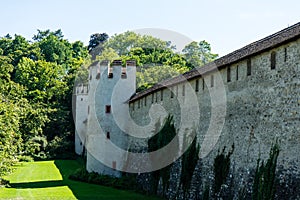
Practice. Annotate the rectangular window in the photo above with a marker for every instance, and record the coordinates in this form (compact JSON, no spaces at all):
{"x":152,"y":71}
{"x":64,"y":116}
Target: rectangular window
{"x":152,"y":98}
{"x":212,"y":81}
{"x":248,"y":67}
{"x":237,"y":73}
{"x":114,"y":164}
{"x":110,"y":72}
{"x":132,"y":105}
{"x":197,"y":85}
{"x":228,"y":74}
{"x":273,"y":60}
{"x":98,"y":74}
{"x":183,"y":90}
{"x":155,"y":96}
{"x":172,"y":94}
{"x":108,"y":135}
{"x":161,"y":95}
{"x":145,"y":102}
{"x":203,"y":83}
{"x":107,"y":109}
{"x":285,"y":54}
{"x":123,"y":73}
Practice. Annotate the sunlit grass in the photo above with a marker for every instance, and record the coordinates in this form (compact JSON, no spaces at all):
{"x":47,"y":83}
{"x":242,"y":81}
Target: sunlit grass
{"x":49,"y":180}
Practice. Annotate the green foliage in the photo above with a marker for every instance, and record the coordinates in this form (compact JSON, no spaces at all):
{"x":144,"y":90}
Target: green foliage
{"x":127,"y":182}
{"x":155,"y":58}
{"x":148,"y":77}
{"x":122,"y":43}
{"x":189,"y":161}
{"x":36,"y":83}
{"x":221,"y":168}
{"x":263,"y":186}
{"x":198,"y":54}
{"x":158,"y":141}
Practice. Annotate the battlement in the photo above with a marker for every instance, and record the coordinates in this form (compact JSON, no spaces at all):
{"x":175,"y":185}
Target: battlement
{"x":115,"y":69}
{"x":82,"y":89}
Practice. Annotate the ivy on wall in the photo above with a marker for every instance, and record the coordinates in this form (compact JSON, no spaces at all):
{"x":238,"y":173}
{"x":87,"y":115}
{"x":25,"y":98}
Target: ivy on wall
{"x":263,"y":186}
{"x":221,"y":168}
{"x":189,"y":162}
{"x":158,"y":141}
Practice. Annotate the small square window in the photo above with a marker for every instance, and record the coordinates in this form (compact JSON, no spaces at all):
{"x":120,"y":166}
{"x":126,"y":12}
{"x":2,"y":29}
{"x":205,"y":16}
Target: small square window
{"x":107,"y":108}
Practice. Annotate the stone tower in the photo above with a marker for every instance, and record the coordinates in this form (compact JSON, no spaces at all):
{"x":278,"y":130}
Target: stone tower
{"x":81,"y":103}
{"x":110,"y":88}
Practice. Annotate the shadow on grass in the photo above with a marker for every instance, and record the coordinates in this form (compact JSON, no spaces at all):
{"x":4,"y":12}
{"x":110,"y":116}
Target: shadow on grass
{"x":39,"y":184}
{"x":80,"y":190}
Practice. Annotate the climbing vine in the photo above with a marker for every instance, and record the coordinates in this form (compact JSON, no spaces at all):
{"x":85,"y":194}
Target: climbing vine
{"x":161,"y":139}
{"x":263,"y":186}
{"x":221,"y":168}
{"x":189,"y":162}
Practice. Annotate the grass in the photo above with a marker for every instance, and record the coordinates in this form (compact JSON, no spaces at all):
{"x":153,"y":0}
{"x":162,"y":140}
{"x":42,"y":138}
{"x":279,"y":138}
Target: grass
{"x":49,"y":180}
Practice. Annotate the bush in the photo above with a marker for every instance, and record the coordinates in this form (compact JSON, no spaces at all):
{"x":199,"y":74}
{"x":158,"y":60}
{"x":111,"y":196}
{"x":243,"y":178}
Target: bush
{"x":126,"y":182}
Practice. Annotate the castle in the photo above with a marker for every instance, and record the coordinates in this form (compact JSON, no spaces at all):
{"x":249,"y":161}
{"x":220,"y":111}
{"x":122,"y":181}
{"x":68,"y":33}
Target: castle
{"x":249,"y":98}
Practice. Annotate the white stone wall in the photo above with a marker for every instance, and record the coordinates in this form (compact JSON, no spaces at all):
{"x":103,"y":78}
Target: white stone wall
{"x":81,"y":95}
{"x":108,"y":155}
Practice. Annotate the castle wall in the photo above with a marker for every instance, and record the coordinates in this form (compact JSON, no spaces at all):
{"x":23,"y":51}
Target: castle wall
{"x":259,"y":108}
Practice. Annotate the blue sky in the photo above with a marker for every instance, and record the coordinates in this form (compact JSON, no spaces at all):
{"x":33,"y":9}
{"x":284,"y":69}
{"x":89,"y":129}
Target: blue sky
{"x":226,"y":25}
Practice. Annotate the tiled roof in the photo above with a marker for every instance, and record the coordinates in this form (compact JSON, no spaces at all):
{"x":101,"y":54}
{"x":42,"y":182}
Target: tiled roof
{"x":274,"y":40}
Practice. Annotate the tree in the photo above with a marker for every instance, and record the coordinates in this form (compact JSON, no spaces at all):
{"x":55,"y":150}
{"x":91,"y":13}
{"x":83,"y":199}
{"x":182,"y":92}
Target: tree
{"x":96,"y":40}
{"x":108,"y":54}
{"x":122,"y":43}
{"x":198,"y":54}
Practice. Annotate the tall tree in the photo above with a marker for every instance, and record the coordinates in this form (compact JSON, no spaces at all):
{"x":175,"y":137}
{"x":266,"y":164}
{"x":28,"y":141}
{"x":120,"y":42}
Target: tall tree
{"x":96,"y":42}
{"x":198,"y":54}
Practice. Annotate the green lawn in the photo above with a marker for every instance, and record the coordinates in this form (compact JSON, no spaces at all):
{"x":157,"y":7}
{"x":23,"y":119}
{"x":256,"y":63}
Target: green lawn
{"x":49,"y":180}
